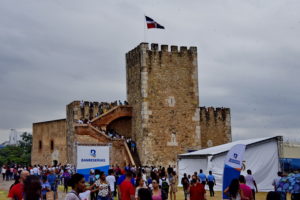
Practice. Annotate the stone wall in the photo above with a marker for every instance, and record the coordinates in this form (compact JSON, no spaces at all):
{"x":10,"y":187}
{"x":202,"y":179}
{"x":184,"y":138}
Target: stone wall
{"x":73,"y":115}
{"x":215,"y":126}
{"x":43,"y":133}
{"x":162,"y":88}
{"x":81,"y":111}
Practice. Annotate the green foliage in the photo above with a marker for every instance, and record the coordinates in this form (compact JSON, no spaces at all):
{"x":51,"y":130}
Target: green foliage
{"x":19,"y":154}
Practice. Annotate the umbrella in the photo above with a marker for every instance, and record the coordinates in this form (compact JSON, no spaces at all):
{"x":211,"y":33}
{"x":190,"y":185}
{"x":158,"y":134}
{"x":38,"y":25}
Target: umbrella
{"x":290,"y":183}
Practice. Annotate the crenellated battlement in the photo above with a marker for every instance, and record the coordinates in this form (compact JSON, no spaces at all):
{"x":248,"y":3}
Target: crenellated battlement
{"x":133,"y":57}
{"x":214,"y":114}
{"x":170,"y":49}
{"x":215,"y":126}
{"x":87,"y":110}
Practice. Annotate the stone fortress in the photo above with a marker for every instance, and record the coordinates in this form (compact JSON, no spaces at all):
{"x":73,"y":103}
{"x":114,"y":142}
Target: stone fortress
{"x":163,"y":115}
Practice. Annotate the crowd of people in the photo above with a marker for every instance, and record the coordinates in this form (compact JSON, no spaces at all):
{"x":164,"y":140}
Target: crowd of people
{"x":38,"y":179}
{"x":128,"y":183}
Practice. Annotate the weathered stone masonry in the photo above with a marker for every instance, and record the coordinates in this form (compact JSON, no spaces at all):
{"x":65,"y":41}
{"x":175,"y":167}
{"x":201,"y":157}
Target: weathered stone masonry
{"x":163,"y":115}
{"x":162,"y":88}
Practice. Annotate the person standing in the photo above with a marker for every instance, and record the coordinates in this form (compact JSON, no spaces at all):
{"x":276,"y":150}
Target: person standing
{"x":32,"y":188}
{"x":173,"y":185}
{"x":127,"y":191}
{"x":202,"y":177}
{"x":17,"y":190}
{"x":234,"y":191}
{"x":111,"y":179}
{"x":157,"y":194}
{"x":276,"y":180}
{"x":164,"y":184}
{"x":92,"y":180}
{"x":211,"y":183}
{"x":103,"y":186}
{"x":66,"y":177}
{"x":3,"y":170}
{"x":245,"y":188}
{"x":52,"y":179}
{"x":251,"y":182}
{"x":77,"y":183}
{"x":185,"y":184}
{"x":45,"y":187}
{"x":144,"y":194}
{"x":275,"y":183}
{"x":140,"y":184}
{"x":196,"y":190}
{"x":169,"y":170}
{"x":7,"y":173}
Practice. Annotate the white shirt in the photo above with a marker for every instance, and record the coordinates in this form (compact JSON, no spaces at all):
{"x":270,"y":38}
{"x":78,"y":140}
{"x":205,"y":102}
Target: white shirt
{"x":111,"y":180}
{"x":85,"y":195}
{"x":31,"y":172}
{"x":250,"y":181}
{"x":3,"y":170}
{"x":35,"y":170}
{"x":72,"y":196}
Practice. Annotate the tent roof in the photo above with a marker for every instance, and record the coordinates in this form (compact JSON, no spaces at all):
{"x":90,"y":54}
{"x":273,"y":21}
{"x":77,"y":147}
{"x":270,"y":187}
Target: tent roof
{"x":226,"y":147}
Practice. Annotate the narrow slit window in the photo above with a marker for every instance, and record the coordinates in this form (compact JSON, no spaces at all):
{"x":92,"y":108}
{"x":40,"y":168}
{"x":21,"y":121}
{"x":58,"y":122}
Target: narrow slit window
{"x":52,"y":145}
{"x":40,"y":145}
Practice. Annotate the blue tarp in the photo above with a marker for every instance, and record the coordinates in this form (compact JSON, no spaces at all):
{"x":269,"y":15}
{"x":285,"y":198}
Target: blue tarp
{"x":290,"y":164}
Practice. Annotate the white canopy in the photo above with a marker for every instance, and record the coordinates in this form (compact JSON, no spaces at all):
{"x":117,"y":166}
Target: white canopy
{"x":261,"y":156}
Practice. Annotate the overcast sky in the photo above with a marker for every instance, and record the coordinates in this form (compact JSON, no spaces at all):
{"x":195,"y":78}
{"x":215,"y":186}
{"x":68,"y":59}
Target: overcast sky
{"x":54,"y":52}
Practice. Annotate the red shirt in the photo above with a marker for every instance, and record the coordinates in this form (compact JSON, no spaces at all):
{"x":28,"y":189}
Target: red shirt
{"x":16,"y":191}
{"x":127,"y":190}
{"x":246,"y":190}
{"x":197,"y":192}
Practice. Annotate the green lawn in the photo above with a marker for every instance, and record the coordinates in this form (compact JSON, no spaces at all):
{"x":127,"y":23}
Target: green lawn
{"x":3,"y":195}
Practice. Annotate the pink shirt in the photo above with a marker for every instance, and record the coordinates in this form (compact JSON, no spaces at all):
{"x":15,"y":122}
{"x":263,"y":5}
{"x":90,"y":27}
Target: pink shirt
{"x":246,"y":190}
{"x":157,"y":197}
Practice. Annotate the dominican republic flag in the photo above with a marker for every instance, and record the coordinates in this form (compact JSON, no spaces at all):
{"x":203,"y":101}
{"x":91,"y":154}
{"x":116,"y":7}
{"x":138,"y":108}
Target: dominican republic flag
{"x":153,"y":24}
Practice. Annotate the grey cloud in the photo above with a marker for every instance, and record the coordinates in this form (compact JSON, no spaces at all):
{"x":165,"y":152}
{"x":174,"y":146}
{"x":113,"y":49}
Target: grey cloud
{"x":54,"y":52}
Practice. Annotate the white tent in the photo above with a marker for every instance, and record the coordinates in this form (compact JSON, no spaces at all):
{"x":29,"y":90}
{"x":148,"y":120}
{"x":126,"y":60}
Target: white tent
{"x":261,"y":156}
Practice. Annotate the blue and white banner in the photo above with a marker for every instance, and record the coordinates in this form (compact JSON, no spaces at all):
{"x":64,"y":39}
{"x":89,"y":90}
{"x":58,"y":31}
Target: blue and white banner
{"x":92,"y":157}
{"x":233,"y":165}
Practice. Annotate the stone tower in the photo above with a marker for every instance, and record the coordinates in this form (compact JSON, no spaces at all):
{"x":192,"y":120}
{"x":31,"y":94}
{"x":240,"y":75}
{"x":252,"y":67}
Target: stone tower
{"x":162,"y":88}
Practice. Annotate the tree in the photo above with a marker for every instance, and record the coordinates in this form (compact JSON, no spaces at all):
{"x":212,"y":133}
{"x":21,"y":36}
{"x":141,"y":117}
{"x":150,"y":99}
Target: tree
{"x":18,"y":154}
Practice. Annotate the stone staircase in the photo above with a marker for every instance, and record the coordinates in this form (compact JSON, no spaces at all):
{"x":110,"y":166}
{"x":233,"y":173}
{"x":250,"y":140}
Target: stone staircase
{"x":116,"y":112}
{"x":136,"y":158}
{"x":101,"y":122}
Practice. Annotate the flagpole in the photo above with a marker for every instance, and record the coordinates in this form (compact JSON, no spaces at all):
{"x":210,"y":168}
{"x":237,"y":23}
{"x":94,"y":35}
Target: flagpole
{"x":144,"y":28}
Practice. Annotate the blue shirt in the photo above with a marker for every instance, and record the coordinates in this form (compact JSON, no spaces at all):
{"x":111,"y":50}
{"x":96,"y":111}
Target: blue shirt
{"x":45,"y":185}
{"x":52,"y":179}
{"x":122,"y":178}
{"x":202,"y":177}
{"x":211,"y":178}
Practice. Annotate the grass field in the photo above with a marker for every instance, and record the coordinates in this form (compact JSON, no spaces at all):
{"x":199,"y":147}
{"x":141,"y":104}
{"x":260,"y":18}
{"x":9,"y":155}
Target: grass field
{"x":3,"y":195}
{"x":218,"y":195}
{"x":259,"y":196}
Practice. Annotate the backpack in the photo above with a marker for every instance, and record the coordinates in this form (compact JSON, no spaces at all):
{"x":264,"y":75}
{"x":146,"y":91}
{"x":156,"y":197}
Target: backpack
{"x":164,"y":185}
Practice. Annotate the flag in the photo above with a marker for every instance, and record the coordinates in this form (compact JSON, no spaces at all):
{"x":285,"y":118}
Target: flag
{"x":153,"y":24}
{"x":233,"y":165}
